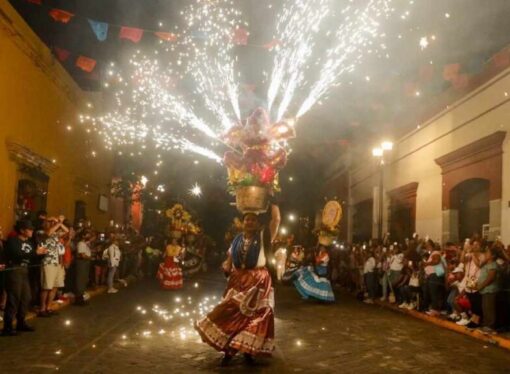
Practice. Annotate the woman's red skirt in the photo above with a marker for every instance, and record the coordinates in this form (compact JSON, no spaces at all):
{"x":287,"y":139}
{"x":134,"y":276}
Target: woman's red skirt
{"x":169,"y":274}
{"x":244,"y":320}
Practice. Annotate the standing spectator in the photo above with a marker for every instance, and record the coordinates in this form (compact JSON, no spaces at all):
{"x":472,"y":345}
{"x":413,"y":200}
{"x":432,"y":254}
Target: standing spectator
{"x":473,"y":260}
{"x":370,"y":275}
{"x":488,"y":288}
{"x":112,"y":255}
{"x":434,"y":282}
{"x":84,"y":255}
{"x":19,"y":252}
{"x":100,"y":265}
{"x":52,"y":272}
{"x":68,"y":243}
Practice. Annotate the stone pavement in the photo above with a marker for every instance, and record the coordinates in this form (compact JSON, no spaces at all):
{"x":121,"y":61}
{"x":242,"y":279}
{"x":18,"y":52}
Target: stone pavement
{"x":145,"y":330}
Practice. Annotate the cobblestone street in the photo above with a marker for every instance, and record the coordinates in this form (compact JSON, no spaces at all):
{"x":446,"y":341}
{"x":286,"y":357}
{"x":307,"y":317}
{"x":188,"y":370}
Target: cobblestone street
{"x":125,"y":333}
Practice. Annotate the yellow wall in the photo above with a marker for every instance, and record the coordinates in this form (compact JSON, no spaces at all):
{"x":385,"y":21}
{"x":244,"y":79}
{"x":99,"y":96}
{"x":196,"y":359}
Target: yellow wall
{"x":38,"y":100}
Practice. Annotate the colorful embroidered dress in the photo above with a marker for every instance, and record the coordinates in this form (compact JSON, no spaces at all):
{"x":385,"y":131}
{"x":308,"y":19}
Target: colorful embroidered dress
{"x":244,"y":320}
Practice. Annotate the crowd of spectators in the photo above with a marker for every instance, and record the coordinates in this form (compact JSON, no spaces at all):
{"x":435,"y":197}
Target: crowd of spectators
{"x":49,"y":260}
{"x":467,"y":283}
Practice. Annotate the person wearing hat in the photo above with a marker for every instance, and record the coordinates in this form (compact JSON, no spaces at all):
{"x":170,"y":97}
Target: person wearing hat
{"x":454,"y":280}
{"x":19,"y":253}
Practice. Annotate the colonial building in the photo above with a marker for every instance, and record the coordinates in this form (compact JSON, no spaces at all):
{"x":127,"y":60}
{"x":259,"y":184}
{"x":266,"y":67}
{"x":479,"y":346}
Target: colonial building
{"x":447,"y":178}
{"x":46,"y":161}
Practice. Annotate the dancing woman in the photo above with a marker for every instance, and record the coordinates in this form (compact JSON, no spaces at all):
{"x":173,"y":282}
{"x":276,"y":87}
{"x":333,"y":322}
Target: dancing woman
{"x":312,"y":281}
{"x":244,"y":320}
{"x":169,"y":272}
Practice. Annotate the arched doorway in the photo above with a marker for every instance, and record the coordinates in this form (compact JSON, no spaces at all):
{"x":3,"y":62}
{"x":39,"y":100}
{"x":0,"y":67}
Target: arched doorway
{"x":471,"y":200}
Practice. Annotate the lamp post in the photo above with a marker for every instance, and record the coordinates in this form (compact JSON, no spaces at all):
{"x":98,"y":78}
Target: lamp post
{"x":378,"y":153}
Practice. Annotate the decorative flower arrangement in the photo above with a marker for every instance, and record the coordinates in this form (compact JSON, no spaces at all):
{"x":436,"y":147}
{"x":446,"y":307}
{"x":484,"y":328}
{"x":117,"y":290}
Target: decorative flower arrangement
{"x":259,"y":151}
{"x":179,"y":217}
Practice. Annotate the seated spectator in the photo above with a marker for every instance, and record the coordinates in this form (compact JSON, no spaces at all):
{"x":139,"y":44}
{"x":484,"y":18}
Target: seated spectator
{"x":410,"y":291}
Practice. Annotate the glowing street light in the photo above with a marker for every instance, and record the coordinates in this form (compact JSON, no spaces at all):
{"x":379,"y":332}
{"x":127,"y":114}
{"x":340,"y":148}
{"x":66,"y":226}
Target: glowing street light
{"x":387,"y":146}
{"x":292,"y":217}
{"x":377,"y":152}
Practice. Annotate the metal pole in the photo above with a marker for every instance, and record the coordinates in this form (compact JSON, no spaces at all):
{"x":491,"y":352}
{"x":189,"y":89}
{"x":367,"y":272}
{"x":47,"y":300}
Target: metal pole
{"x":381,"y":204}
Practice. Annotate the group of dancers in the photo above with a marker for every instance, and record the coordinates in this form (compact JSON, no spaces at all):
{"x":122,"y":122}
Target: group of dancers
{"x":179,"y":262}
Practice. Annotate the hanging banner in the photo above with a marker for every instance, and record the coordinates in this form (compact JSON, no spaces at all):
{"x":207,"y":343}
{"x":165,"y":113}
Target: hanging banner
{"x":100,"y":29}
{"x":86,"y":64}
{"x":451,"y":71}
{"x":60,"y":15}
{"x":167,"y":36}
{"x":62,"y":54}
{"x":131,"y":33}
{"x":240,"y":36}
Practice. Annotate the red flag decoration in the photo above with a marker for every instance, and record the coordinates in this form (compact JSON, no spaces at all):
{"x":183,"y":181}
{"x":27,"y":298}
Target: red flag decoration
{"x":38,"y":2}
{"x":461,"y":81}
{"x":131,"y":33}
{"x":60,"y":15}
{"x":501,"y":59}
{"x":240,"y":36}
{"x":272,"y":44}
{"x":451,"y":71}
{"x":86,"y":64}
{"x":166,"y":36}
{"x":426,"y":73}
{"x":62,"y":54}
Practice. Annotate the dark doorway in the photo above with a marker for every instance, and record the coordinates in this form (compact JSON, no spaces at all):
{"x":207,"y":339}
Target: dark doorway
{"x":362,"y":221}
{"x":471,"y":200}
{"x":402,"y":222}
{"x":80,"y":211}
{"x":31,"y":192}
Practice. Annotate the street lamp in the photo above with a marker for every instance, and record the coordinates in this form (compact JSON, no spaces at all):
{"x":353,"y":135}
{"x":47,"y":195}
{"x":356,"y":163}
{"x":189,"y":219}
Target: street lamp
{"x":378,"y":153}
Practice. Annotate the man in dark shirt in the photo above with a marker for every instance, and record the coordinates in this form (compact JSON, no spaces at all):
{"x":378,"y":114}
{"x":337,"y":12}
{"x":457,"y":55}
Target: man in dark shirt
{"x":19,"y":252}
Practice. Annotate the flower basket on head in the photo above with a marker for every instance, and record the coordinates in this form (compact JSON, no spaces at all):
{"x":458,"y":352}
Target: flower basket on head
{"x":252,"y":199}
{"x":259,"y":152}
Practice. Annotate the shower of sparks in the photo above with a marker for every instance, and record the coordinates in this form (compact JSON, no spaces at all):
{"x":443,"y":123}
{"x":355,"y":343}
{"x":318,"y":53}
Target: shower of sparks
{"x":184,"y":96}
{"x":297,"y":25}
{"x":355,"y":35}
{"x":211,"y":61}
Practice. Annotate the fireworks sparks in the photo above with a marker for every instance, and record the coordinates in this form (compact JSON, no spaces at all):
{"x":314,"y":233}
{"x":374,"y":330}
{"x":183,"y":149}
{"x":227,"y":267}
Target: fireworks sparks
{"x":196,"y":190}
{"x":149,"y":100}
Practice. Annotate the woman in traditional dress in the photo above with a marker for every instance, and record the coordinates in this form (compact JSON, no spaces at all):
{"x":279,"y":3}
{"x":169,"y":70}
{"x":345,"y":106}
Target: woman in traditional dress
{"x":169,"y":273}
{"x":312,"y":281}
{"x":294,"y":262}
{"x":244,"y":320}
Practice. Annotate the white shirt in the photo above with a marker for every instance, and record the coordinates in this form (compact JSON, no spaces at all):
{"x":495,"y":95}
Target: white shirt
{"x":113,"y":255}
{"x":397,"y":262}
{"x":369,"y":265}
{"x":84,"y":249}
